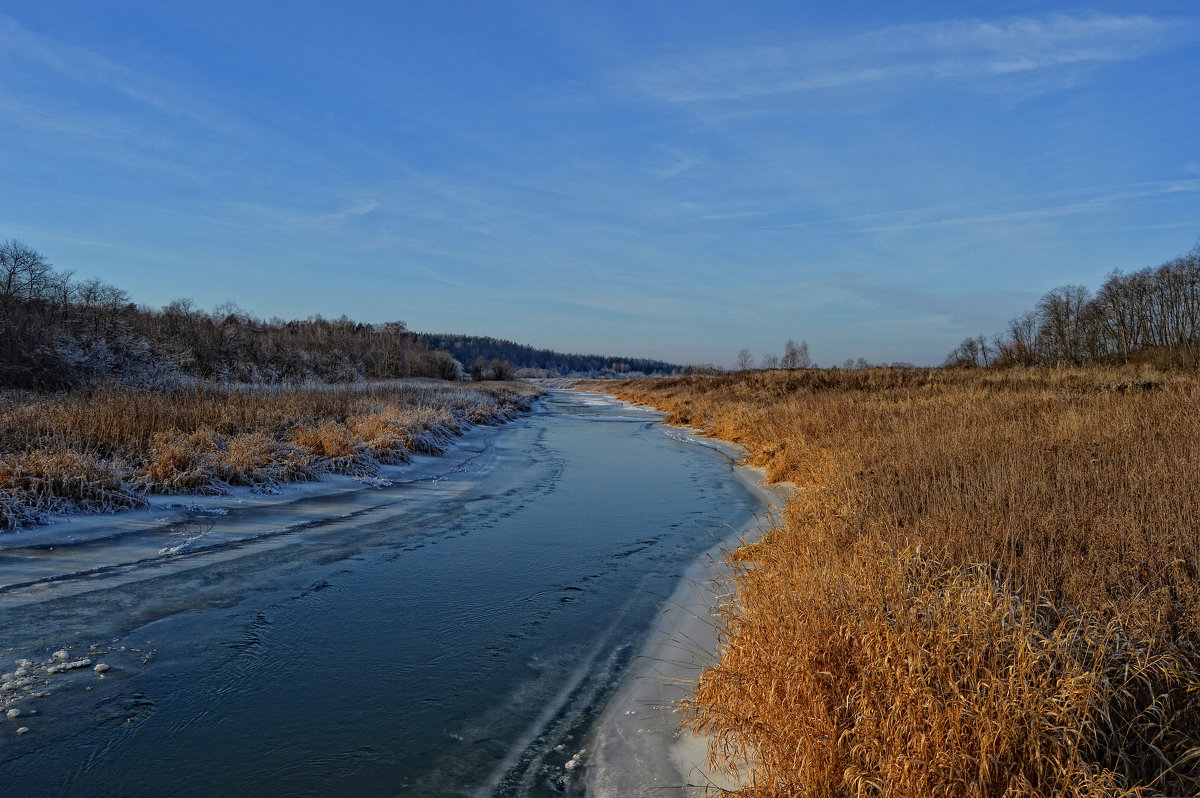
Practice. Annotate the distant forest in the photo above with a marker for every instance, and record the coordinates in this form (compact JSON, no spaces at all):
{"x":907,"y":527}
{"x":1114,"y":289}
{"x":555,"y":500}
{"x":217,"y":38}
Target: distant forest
{"x":470,"y":349}
{"x":60,"y":332}
{"x":1149,"y":315}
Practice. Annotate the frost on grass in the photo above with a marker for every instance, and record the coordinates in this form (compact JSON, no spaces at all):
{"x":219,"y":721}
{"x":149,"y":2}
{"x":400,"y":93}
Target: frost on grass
{"x":41,"y":482}
{"x":105,"y":450}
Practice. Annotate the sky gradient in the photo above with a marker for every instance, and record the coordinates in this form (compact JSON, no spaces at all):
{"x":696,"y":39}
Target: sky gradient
{"x":667,"y":180}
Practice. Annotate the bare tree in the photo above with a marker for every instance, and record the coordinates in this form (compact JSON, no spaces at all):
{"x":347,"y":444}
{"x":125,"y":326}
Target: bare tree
{"x":1118,"y":313}
{"x":745,"y":361}
{"x":1062,"y":311}
{"x":501,"y":369}
{"x":24,"y":273}
{"x":795,"y":356}
{"x":803,"y":360}
{"x":791,"y":355}
{"x":30,"y":314}
{"x":965,"y":354}
{"x":1023,"y":335}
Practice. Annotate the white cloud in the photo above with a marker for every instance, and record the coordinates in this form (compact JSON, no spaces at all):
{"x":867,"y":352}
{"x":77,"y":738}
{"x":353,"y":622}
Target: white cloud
{"x":956,"y":50}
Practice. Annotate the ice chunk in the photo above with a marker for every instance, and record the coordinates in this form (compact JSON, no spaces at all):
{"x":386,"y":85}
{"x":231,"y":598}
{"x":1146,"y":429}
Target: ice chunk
{"x":69,"y":666}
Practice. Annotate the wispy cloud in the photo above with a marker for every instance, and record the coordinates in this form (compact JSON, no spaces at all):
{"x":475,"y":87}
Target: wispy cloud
{"x":956,"y":50}
{"x":89,"y":68}
{"x":1045,"y":205}
{"x":677,"y":162}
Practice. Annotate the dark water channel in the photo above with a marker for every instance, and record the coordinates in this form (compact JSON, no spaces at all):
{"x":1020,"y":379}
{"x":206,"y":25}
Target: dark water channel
{"x":453,"y":633}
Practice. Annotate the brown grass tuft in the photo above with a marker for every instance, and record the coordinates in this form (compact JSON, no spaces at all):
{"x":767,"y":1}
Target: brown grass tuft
{"x":52,"y":481}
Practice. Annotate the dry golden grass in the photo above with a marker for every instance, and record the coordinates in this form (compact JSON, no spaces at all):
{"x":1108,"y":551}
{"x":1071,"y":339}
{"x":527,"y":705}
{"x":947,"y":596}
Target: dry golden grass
{"x":985,"y":584}
{"x":103,"y":449}
{"x":44,"y":481}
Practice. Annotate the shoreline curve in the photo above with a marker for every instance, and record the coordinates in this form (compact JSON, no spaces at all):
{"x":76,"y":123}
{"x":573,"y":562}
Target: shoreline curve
{"x":636,"y":748}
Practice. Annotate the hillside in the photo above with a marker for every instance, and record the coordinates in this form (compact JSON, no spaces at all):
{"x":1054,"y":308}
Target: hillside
{"x":467,"y":348}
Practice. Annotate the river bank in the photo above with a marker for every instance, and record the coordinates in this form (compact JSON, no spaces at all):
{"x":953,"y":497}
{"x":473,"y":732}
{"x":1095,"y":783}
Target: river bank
{"x":637,"y":748}
{"x":112,"y":448}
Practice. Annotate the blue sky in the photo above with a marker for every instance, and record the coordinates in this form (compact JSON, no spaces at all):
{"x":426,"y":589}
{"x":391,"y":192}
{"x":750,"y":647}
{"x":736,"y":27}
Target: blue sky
{"x":672,"y":180}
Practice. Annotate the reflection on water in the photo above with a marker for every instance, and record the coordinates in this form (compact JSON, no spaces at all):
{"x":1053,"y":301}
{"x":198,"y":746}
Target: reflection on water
{"x":452,"y":634}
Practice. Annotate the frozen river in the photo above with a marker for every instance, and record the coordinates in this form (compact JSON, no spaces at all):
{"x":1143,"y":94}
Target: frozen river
{"x":453,"y":633}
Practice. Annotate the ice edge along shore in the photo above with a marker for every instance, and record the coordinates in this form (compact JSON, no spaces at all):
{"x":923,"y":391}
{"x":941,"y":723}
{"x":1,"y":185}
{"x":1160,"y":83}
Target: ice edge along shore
{"x":636,"y":748}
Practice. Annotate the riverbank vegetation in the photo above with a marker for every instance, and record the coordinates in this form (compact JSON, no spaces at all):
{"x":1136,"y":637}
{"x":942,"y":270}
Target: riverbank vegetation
{"x":987,"y":582}
{"x":106,"y":448}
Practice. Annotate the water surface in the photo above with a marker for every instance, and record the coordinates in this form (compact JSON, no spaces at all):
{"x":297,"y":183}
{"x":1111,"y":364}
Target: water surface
{"x":454,"y":633}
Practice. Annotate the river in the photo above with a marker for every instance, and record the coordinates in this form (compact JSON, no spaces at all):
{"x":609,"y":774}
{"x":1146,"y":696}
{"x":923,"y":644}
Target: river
{"x":455,"y":632}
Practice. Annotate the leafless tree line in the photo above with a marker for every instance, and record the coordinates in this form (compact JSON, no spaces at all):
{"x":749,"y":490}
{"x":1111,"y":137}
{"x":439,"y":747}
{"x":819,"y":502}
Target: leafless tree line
{"x":1151,"y":313}
{"x":795,"y":356}
{"x":56,"y":332}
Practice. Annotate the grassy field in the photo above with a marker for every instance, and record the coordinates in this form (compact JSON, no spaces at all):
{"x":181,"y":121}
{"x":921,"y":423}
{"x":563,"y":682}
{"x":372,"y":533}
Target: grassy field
{"x":987,"y":582}
{"x":105,"y":449}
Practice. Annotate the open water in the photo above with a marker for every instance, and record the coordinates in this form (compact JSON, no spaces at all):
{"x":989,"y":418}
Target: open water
{"x":453,"y":633}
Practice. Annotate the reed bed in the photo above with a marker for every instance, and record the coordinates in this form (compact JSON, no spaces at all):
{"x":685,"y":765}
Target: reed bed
{"x":105,"y":449}
{"x":985,"y":584}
